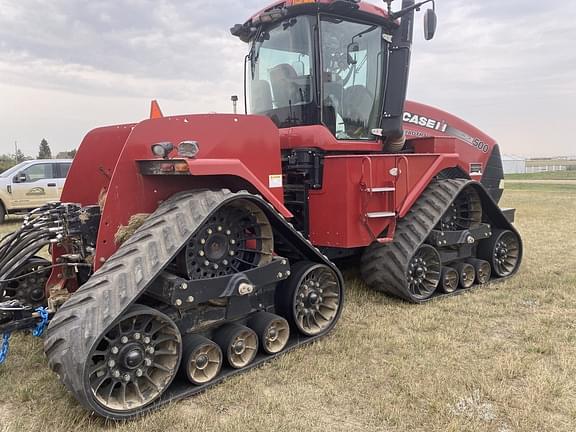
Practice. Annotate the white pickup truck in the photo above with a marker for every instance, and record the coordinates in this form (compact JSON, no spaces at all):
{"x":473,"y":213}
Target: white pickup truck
{"x":31,"y":184}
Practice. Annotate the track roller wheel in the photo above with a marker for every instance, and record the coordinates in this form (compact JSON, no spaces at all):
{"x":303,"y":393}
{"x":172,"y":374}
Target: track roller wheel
{"x":449,"y":280}
{"x":311,"y":299}
{"x":467,"y":274}
{"x":273,"y":331}
{"x":134,"y":362}
{"x":483,"y":270}
{"x":202,"y":359}
{"x":503,"y":251}
{"x":239,"y":344}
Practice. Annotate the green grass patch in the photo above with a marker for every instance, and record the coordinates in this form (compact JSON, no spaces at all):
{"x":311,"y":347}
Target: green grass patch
{"x":560,"y":188}
{"x":553,"y":175}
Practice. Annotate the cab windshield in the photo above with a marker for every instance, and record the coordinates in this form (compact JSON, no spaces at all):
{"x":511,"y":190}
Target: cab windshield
{"x":284,"y":71}
{"x":281,"y":73}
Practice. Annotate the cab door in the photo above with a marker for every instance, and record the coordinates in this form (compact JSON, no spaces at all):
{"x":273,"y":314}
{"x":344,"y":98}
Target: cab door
{"x":35,"y":186}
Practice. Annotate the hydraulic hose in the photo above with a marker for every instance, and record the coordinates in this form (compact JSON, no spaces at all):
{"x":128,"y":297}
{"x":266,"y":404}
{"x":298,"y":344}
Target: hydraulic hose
{"x":22,"y":257}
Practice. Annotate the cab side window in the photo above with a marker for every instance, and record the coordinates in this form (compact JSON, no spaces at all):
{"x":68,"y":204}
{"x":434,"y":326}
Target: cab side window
{"x":63,"y":169}
{"x":39,"y":172}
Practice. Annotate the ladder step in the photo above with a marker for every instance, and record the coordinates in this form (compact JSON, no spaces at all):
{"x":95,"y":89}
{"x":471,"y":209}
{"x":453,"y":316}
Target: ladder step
{"x":376,"y":215}
{"x":381,"y":189}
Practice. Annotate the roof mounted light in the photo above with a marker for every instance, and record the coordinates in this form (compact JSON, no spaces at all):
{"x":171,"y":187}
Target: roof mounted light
{"x":188,"y":149}
{"x":162,"y":149}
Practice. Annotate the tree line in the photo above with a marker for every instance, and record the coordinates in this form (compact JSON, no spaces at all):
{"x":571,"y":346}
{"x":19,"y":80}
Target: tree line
{"x":44,"y":152}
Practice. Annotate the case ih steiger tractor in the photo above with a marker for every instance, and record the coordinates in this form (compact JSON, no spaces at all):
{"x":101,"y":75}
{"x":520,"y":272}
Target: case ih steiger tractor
{"x":190,"y":248}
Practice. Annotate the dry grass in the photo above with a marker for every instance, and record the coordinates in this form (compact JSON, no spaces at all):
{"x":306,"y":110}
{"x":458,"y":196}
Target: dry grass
{"x":499,"y":359}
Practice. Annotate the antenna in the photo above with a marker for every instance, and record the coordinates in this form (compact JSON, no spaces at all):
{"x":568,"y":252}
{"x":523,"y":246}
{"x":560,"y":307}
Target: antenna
{"x":389,"y":3}
{"x":234,"y":100}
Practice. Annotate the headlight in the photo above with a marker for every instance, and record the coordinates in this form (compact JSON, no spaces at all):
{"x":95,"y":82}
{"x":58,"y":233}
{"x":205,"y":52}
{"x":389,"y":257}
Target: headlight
{"x":188,"y":149}
{"x":162,"y":149}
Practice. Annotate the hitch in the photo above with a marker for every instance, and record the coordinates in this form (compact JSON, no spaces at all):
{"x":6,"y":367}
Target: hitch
{"x":15,"y":316}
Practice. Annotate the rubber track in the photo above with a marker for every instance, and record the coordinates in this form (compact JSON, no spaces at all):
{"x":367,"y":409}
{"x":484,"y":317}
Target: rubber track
{"x":126,"y":275}
{"x":384,"y":266}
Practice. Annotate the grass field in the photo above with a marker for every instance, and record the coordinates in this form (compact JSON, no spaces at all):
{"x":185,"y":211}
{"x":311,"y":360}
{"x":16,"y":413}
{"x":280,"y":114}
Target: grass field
{"x":552,"y":175}
{"x":498,"y":359}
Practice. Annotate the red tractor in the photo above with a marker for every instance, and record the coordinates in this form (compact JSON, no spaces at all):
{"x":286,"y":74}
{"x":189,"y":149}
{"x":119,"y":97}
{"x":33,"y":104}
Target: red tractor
{"x":190,"y":248}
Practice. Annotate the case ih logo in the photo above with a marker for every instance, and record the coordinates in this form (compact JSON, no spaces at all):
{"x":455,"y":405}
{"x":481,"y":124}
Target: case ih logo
{"x":426,"y":122}
{"x":442,"y":126}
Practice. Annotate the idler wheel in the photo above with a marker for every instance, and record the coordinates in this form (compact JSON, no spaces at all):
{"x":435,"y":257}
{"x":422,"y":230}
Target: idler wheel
{"x":311,"y":299}
{"x":423,"y":273}
{"x":503,"y":251}
{"x":134,"y":361}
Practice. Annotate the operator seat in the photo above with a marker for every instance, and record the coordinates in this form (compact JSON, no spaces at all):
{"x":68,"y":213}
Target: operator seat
{"x":284,"y":86}
{"x":261,"y":101}
{"x":356,"y":109}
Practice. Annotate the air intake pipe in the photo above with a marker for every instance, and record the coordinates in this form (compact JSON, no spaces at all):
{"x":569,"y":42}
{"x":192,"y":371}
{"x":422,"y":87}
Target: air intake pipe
{"x":397,"y":81}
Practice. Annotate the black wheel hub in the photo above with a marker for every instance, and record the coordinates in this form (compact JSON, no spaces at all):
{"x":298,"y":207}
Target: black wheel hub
{"x":202,"y":361}
{"x":131,"y":357}
{"x":313,"y":298}
{"x":501,"y":251}
{"x":239,"y":347}
{"x":217,"y":247}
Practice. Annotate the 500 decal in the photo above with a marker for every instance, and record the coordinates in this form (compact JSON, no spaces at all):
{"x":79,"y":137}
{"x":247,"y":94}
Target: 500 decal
{"x":442,"y":126}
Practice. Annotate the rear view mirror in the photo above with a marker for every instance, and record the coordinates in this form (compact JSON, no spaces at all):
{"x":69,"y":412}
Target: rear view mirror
{"x":430,"y":22}
{"x":352,"y":48}
{"x":19,"y":178}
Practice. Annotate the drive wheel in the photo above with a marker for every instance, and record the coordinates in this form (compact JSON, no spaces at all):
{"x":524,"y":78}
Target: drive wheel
{"x":134,"y":362}
{"x":311,"y":299}
{"x":423,"y":273}
{"x":236,"y":238}
{"x":273,"y":331}
{"x":464,"y":213}
{"x":503,"y":251}
{"x":467,"y":275}
{"x":239,"y":344}
{"x":449,"y":280}
{"x":202,"y":359}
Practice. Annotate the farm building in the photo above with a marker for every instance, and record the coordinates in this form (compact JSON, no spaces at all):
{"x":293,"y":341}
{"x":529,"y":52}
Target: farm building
{"x":513,"y":164}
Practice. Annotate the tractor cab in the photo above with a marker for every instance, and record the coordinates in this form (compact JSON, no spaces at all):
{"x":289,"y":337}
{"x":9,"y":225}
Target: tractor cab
{"x":340,"y":65}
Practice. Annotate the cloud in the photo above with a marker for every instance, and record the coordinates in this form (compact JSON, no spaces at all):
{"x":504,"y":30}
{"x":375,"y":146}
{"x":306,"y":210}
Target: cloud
{"x":506,"y":66}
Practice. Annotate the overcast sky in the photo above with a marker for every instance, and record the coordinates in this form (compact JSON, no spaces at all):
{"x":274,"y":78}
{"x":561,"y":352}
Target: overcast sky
{"x":67,"y":66}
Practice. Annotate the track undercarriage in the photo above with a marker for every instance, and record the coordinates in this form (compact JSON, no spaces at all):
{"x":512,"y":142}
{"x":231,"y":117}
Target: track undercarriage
{"x":454,"y":238}
{"x":195,"y":295}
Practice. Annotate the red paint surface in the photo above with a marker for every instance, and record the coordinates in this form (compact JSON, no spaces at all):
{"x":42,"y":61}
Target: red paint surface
{"x":244,"y":146}
{"x":337,"y":211}
{"x":362,"y":6}
{"x":241,"y":152}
